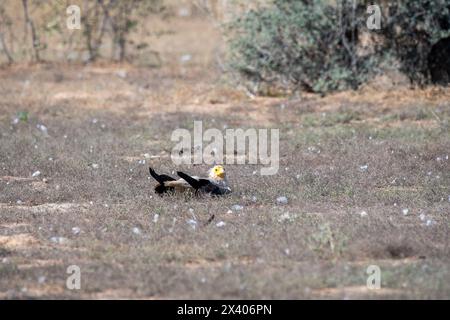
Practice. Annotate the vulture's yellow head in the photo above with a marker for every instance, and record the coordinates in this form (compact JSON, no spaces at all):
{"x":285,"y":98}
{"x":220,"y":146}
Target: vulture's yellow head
{"x":217,"y":173}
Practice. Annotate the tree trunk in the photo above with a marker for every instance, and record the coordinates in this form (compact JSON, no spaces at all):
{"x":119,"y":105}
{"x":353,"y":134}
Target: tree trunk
{"x":34,"y":36}
{"x":5,"y":49}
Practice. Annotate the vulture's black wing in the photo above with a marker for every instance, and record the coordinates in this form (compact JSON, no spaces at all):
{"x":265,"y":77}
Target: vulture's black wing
{"x":195,"y":183}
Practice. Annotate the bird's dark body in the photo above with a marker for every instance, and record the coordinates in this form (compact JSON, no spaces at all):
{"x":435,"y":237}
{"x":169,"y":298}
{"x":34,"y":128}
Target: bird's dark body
{"x":204,"y":185}
{"x":168,"y":184}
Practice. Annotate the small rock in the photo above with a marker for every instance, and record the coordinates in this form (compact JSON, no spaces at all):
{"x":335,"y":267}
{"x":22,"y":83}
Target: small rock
{"x":220,"y":224}
{"x":282,"y":200}
{"x":95,"y":166}
{"x":363,"y":213}
{"x":229,"y":211}
{"x":76,"y":230}
{"x":155,"y":218}
{"x":36,"y":174}
{"x":430,"y":222}
{"x":422,"y":217}
{"x":19,"y":202}
{"x":136,"y":230}
{"x":146,"y":155}
{"x":405,"y":211}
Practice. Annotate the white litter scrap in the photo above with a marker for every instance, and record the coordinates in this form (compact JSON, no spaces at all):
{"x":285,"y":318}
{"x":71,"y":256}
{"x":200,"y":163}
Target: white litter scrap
{"x":185,"y":58}
{"x":220,"y":224}
{"x":42,"y":128}
{"x":36,"y":174}
{"x":282,"y":200}
{"x":430,"y":222}
{"x":192,"y":223}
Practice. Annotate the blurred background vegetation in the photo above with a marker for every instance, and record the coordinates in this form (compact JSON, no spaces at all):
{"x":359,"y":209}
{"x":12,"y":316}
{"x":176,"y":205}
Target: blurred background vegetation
{"x":322,"y":46}
{"x":273,"y":46}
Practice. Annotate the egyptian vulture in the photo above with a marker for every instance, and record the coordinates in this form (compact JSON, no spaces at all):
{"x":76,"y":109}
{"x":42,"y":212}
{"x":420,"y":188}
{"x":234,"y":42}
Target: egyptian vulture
{"x":215,"y":184}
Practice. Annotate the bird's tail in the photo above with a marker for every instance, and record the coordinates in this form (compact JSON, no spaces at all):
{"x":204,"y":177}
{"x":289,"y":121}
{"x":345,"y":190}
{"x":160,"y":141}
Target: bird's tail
{"x":161,"y":178}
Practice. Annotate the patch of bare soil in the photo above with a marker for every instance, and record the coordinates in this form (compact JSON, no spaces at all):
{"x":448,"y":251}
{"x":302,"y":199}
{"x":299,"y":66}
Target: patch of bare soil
{"x":18,"y":241}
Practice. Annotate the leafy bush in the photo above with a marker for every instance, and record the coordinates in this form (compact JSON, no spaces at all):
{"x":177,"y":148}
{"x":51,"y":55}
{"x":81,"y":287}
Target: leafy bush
{"x":316,"y":45}
{"x":410,"y":32}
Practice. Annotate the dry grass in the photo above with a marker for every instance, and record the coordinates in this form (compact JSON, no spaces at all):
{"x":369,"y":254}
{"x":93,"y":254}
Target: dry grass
{"x":317,"y":246}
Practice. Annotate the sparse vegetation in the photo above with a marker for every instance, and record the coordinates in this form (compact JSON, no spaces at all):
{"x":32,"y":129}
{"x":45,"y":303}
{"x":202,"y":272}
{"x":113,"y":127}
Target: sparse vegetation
{"x":330,"y":172}
{"x":364,"y":179}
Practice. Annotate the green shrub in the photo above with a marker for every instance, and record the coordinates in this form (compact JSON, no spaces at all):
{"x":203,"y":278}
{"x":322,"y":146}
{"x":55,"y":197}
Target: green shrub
{"x":315,"y":45}
{"x":411,"y":29}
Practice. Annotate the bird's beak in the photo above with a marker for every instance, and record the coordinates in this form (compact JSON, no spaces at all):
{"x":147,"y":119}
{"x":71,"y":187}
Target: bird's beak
{"x":221,"y":174}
